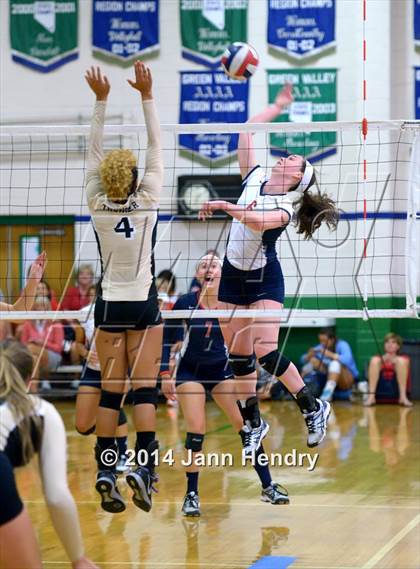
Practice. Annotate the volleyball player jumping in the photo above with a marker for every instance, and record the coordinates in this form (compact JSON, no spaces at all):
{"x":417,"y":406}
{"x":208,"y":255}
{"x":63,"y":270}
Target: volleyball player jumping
{"x":203,"y":366}
{"x":127,"y":318}
{"x":252,"y":277}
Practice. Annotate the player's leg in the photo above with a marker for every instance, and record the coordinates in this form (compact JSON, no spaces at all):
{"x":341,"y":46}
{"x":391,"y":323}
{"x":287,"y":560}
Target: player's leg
{"x":224,"y":395}
{"x":374,"y":373}
{"x":111,"y":348}
{"x":238,"y":336}
{"x":40,"y":357}
{"x":401,"y":371}
{"x":266,"y":333}
{"x":144,"y":348}
{"x":192,"y":399}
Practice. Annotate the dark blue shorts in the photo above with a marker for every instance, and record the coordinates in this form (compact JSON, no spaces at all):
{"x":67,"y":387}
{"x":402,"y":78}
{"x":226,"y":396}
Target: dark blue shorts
{"x":245,"y":287}
{"x":209,"y":375}
{"x":119,"y":316}
{"x":90,"y":377}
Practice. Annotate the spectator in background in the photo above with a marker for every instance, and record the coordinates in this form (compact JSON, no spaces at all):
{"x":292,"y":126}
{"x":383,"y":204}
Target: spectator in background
{"x":77,"y":296}
{"x":333,"y":363}
{"x":44,"y":340}
{"x":388,"y":374}
{"x":195,"y":285}
{"x":44,"y":289}
{"x":166,"y":287}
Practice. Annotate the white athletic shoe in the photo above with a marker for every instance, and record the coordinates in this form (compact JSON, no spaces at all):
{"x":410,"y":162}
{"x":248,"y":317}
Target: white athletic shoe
{"x":317,"y":423}
{"x":191,"y":505}
{"x":275,"y":494}
{"x":252,"y":438}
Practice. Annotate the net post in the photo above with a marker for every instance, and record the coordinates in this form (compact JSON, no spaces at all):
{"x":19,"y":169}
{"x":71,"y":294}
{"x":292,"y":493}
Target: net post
{"x":411,"y":237}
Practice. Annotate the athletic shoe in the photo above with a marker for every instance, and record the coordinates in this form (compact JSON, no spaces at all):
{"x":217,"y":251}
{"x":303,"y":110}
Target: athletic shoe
{"x":317,"y":423}
{"x":106,"y":486}
{"x":252,"y":438}
{"x":191,"y":505}
{"x":141,"y":481}
{"x":122,"y":467}
{"x":275,"y":494}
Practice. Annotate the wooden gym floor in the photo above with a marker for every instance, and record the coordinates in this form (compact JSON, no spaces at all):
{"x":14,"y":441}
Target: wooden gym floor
{"x":358,"y":509}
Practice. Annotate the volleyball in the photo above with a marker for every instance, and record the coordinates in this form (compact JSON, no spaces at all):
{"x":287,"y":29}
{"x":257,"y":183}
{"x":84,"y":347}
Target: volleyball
{"x":240,"y":61}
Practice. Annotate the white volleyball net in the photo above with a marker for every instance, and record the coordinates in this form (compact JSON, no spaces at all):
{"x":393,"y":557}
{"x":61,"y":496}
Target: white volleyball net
{"x":368,"y":267}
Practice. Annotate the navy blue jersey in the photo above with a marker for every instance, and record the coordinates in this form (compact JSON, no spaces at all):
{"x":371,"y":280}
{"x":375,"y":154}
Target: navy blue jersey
{"x":203,"y":339}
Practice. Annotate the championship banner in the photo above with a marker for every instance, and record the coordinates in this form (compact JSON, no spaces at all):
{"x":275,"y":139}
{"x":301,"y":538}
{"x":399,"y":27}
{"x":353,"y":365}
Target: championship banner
{"x":209,"y":26}
{"x":43,"y":33}
{"x":417,"y":92}
{"x":315,"y":99}
{"x":301,"y":28}
{"x":212,"y":97}
{"x":417,"y":22}
{"x":125,"y":29}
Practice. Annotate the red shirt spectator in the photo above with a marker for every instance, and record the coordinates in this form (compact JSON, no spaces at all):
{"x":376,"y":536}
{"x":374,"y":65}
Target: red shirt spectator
{"x":78,"y":296}
{"x":43,"y":332}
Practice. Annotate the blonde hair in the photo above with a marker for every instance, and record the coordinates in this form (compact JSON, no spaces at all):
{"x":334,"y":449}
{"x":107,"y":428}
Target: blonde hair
{"x":116,"y":171}
{"x":16,"y":364}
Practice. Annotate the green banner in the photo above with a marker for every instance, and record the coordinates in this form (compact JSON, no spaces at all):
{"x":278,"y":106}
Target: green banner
{"x":315,"y":100}
{"x":209,"y":26}
{"x":43,"y":33}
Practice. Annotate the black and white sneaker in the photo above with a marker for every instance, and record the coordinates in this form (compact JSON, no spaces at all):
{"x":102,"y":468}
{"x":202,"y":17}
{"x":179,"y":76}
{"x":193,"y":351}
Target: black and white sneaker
{"x":141,"y":481}
{"x":275,"y":494}
{"x":191,"y":505}
{"x":106,"y":486}
{"x":252,"y":438}
{"x":317,"y":423}
{"x":121,"y":467}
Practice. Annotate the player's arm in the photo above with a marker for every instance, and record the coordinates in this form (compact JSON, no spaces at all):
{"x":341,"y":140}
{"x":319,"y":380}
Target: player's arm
{"x":60,"y":502}
{"x":26,"y":300}
{"x":246,"y":151}
{"x":255,"y":220}
{"x":152,"y":180}
{"x":100,"y":86}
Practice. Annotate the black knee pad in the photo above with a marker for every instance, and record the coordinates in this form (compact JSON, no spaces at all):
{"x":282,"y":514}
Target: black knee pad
{"x":242,"y":365}
{"x":88,"y":432}
{"x":145,"y":395}
{"x":122,"y":418}
{"x":194,"y":442}
{"x":111,"y":400}
{"x":275,"y":363}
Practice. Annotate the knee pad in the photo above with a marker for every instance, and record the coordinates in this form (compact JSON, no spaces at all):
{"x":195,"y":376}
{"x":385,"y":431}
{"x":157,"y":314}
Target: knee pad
{"x":275,"y":363}
{"x":194,"y":442}
{"x":87,"y":432}
{"x":334,"y":366}
{"x":122,"y":418}
{"x":111,"y":400}
{"x":242,"y":365}
{"x":145,"y":395}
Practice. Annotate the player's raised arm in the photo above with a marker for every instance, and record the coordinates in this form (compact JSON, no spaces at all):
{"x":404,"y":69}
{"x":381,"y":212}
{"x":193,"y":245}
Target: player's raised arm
{"x":26,"y":300}
{"x":153,"y":176}
{"x":246,"y":152}
{"x":100,"y":86}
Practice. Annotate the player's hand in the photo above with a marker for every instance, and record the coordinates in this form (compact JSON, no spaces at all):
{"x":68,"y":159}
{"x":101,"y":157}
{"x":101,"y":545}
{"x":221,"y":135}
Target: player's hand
{"x":143,"y":81}
{"x":176,"y":348}
{"x":92,"y":357}
{"x":38,"y":267}
{"x":84,"y":563}
{"x":98,"y":83}
{"x":284,"y":97}
{"x":168,"y":387}
{"x":208,"y":208}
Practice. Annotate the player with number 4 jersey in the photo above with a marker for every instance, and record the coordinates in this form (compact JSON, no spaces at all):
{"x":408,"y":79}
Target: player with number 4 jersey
{"x":127,"y":317}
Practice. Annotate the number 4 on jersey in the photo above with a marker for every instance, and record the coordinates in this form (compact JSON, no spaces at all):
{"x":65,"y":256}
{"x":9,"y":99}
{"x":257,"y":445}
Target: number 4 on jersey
{"x":123,"y":226}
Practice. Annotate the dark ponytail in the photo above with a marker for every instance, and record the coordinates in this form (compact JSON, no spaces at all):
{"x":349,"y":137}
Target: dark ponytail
{"x":314,"y":209}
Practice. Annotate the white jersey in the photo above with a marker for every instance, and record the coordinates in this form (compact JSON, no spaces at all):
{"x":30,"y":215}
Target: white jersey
{"x":126,"y":232}
{"x":52,"y":466}
{"x":89,"y":328}
{"x":248,"y":249}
